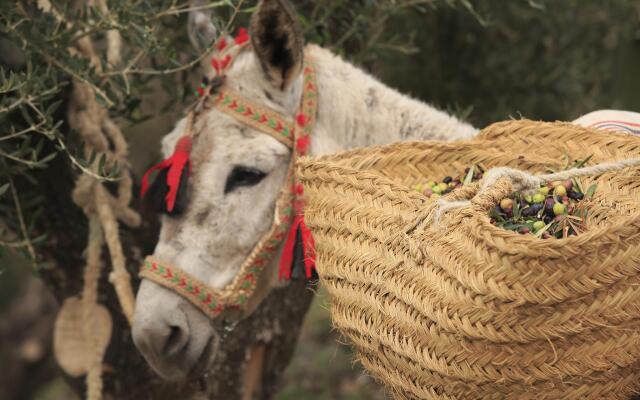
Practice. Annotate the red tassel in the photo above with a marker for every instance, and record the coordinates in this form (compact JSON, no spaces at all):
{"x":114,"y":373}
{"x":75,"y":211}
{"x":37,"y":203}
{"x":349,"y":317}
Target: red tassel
{"x":286,"y":259}
{"x":145,"y":178}
{"x":175,"y":165}
{"x":308,"y":246}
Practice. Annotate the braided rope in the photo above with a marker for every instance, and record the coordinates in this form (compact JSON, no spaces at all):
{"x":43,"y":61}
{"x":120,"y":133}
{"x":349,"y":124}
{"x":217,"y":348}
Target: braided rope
{"x":525,"y":182}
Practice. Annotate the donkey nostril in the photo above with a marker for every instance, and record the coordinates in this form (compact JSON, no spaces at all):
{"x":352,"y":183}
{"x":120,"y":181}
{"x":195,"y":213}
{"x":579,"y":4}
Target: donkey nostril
{"x":177,"y":340}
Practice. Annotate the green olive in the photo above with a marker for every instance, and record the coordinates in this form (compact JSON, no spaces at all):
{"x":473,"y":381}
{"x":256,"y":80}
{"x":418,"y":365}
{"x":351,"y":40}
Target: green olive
{"x":538,"y":198}
{"x":559,"y":208}
{"x":538,"y":225}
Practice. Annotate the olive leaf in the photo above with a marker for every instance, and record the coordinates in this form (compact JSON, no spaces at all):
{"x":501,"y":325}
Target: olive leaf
{"x":544,"y":229}
{"x":469,"y":178}
{"x":517,"y":210}
{"x":582,"y":163}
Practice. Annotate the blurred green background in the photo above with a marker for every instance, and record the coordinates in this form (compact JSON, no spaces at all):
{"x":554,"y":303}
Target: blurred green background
{"x":487,"y":61}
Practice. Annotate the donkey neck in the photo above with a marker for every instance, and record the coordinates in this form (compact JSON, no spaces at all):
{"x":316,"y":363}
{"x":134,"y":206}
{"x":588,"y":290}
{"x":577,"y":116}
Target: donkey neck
{"x":356,"y":110}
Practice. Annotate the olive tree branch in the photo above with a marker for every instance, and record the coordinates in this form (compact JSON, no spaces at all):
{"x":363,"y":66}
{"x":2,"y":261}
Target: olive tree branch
{"x":23,"y":226}
{"x":130,"y":71}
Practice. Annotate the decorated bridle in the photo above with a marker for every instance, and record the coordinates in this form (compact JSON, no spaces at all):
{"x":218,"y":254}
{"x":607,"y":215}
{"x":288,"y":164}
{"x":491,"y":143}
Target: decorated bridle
{"x":288,"y":222}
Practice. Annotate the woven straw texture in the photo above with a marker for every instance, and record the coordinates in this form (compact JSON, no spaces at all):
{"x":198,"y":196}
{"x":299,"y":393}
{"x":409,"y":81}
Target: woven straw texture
{"x":463,"y":309}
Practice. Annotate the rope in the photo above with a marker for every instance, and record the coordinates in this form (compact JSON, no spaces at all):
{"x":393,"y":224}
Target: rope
{"x":89,"y":300}
{"x":119,"y":277}
{"x":524,"y":182}
{"x":114,"y":39}
{"x":104,"y":210}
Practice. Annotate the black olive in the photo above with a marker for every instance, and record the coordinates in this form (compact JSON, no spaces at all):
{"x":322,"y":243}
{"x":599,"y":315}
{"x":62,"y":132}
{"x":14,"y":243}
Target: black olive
{"x":447,"y":180}
{"x":532,"y":210}
{"x":575,"y":195}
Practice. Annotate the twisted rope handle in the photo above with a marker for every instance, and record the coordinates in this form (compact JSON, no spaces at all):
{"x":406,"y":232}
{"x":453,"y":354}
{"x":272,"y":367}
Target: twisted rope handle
{"x":525,"y":182}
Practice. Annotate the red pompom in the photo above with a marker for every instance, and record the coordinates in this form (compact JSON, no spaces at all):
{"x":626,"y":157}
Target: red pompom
{"x":302,"y":120}
{"x":302,"y":145}
{"x":242,"y":37}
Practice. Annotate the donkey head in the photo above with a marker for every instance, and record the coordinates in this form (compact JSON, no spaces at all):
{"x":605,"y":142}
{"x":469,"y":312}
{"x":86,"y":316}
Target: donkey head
{"x":236,"y":178}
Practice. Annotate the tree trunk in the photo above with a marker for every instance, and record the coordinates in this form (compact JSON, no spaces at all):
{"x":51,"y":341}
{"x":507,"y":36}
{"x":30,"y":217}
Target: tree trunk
{"x":254,"y":355}
{"x":25,"y":338}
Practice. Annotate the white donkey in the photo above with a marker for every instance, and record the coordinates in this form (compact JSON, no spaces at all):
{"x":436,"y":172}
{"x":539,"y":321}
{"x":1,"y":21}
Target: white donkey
{"x":238,"y":171}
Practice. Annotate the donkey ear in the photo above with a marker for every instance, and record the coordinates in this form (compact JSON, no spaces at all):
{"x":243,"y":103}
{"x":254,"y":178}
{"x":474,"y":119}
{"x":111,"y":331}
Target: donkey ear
{"x":277,"y":39}
{"x":202,"y":32}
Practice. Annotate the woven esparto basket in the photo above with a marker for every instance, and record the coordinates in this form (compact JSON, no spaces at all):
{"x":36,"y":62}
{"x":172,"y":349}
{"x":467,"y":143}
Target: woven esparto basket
{"x":463,"y":309}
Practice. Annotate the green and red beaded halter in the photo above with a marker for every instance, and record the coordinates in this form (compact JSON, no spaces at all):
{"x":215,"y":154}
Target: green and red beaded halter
{"x":288,"y":218}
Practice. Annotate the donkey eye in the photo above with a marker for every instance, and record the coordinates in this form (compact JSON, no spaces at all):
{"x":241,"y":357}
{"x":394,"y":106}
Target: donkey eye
{"x":243,"y":176}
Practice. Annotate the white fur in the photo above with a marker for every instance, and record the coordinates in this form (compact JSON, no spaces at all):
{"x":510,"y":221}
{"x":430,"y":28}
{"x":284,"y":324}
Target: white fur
{"x":218,"y":231}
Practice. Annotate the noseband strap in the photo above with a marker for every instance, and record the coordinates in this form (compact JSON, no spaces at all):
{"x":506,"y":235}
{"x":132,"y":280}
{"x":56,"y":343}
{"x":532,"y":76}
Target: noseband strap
{"x":295,"y":134}
{"x":208,"y":301}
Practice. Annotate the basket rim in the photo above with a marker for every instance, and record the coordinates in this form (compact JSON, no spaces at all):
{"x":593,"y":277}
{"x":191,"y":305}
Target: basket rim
{"x":486,"y":139}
